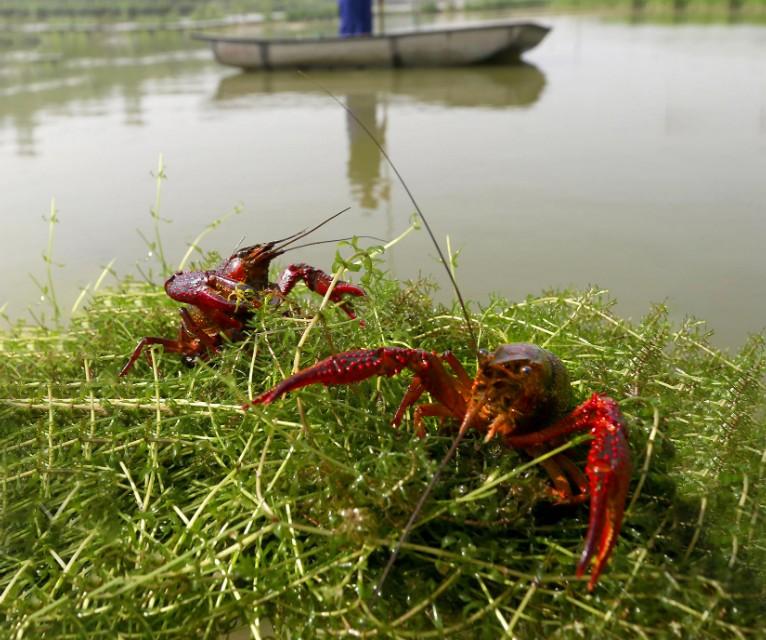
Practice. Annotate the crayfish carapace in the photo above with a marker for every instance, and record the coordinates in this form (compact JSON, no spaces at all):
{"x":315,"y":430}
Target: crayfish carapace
{"x":521,"y":394}
{"x":222,"y":300}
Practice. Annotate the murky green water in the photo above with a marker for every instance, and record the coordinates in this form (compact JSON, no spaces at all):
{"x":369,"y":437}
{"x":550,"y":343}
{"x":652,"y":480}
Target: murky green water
{"x":628,"y":155}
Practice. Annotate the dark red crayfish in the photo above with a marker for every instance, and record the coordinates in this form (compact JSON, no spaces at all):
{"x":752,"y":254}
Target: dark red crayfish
{"x":222,"y":300}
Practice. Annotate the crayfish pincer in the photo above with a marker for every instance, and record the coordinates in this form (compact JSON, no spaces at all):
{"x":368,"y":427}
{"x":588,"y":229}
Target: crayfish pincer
{"x":222,"y":300}
{"x":521,"y":393}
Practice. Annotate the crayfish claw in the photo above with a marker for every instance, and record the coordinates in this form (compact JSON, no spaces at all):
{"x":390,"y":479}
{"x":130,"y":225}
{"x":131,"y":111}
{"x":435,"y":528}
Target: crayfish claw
{"x":343,"y":368}
{"x":608,"y":472}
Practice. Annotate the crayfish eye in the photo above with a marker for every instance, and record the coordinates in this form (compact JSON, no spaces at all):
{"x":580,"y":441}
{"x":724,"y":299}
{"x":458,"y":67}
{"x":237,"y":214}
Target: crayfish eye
{"x":525,"y":370}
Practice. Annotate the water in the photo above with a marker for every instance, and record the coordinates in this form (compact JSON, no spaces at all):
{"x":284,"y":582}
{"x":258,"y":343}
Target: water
{"x":632,"y":156}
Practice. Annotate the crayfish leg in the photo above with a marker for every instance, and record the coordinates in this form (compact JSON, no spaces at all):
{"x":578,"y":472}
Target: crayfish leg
{"x":191,"y":329}
{"x":428,"y":411}
{"x":560,"y":473}
{"x":574,"y":473}
{"x":457,"y":368}
{"x":171,"y":346}
{"x":193,"y":341}
{"x":411,"y":396}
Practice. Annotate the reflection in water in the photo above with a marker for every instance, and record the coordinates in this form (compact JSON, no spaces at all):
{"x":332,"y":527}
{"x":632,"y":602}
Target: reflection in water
{"x":364,"y":157}
{"x":368,"y":94}
{"x":69,"y":74}
{"x":498,"y":87}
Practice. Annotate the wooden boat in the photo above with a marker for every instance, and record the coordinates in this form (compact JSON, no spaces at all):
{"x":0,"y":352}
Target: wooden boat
{"x":444,"y":46}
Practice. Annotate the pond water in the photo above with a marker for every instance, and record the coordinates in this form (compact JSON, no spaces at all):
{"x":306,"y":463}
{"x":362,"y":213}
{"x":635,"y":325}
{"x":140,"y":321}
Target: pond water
{"x":628,"y":155}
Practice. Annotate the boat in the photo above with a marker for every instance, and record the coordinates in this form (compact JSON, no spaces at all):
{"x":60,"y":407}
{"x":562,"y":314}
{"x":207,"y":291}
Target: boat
{"x":432,"y":47}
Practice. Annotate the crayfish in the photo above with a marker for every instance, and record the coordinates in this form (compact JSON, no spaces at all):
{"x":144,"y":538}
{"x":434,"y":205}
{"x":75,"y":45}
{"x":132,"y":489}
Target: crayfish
{"x":222,"y":300}
{"x":521,"y":393}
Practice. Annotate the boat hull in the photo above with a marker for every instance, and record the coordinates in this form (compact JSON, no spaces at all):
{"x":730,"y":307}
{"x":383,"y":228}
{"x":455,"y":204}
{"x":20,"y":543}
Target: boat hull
{"x":455,"y":46}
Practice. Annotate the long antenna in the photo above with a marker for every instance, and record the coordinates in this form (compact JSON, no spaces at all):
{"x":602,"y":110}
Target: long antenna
{"x":473,"y":409}
{"x":302,"y":234}
{"x":469,"y":416}
{"x":334,"y":240}
{"x":469,"y":324}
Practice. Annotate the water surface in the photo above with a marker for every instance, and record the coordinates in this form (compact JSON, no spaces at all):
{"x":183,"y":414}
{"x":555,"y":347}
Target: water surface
{"x":632,"y":156}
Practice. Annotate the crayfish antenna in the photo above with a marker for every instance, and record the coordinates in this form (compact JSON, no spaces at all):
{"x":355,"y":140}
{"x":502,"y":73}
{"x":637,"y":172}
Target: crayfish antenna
{"x":365,"y":128}
{"x":279,"y":246}
{"x":286,"y":242}
{"x":470,"y":414}
{"x":333,"y":240}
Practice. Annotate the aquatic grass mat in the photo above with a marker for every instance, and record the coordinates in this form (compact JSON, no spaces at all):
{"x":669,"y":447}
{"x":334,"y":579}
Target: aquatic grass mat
{"x":155,"y":507}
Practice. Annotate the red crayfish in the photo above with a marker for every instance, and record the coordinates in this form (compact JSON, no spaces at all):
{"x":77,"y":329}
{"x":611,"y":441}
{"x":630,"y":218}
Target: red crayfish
{"x":520,"y":393}
{"x":222,"y":300}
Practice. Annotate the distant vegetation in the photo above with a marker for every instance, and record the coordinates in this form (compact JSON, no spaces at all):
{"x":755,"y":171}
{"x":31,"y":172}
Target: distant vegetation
{"x":659,"y":5}
{"x":138,"y":10}
{"x":119,"y":10}
{"x":125,"y":9}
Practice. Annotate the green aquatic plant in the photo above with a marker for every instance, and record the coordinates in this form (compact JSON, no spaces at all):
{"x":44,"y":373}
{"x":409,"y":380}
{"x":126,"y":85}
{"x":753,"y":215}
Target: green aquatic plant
{"x":156,"y":507}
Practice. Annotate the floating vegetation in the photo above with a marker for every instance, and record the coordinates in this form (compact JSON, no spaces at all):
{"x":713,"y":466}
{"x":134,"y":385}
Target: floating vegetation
{"x":154,"y":506}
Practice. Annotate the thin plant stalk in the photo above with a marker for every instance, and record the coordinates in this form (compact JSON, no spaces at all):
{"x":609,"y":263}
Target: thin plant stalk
{"x":48,"y":290}
{"x":195,"y":244}
{"x":155,"y":213}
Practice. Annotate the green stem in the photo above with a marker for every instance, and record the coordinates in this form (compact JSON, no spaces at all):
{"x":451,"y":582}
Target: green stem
{"x":155,"y":212}
{"x":48,"y":257}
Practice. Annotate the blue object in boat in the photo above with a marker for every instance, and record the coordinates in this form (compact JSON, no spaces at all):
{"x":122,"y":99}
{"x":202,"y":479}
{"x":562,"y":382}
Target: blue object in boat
{"x":355,"y":17}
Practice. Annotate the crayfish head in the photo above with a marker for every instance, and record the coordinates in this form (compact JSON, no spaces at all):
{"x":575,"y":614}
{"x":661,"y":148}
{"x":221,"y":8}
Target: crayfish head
{"x":251,"y":265}
{"x":524,"y":382}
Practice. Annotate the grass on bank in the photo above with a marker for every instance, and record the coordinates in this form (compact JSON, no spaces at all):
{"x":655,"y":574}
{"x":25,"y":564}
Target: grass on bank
{"x":155,"y":507}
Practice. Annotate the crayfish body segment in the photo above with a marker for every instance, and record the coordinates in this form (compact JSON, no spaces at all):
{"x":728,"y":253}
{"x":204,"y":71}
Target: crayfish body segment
{"x":521,"y":394}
